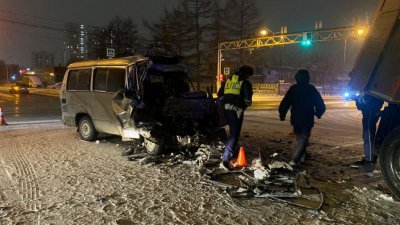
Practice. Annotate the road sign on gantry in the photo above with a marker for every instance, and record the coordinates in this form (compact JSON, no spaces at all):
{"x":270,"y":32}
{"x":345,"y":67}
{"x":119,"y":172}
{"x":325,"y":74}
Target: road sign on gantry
{"x":110,"y":52}
{"x":226,"y":71}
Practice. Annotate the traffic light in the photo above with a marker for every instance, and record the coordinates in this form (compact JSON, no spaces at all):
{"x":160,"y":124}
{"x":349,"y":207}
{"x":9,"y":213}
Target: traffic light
{"x":307,"y":39}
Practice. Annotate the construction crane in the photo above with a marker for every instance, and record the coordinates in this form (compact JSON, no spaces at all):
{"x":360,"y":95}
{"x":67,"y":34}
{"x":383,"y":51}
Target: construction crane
{"x":303,"y":38}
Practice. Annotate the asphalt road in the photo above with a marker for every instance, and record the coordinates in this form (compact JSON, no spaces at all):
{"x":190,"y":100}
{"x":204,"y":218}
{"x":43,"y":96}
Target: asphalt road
{"x":29,"y":107}
{"x":40,"y":106}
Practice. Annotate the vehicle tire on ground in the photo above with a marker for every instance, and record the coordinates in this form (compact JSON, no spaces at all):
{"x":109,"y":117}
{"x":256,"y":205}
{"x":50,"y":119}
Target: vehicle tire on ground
{"x":153,"y":147}
{"x":86,"y":129}
{"x":390,"y":161}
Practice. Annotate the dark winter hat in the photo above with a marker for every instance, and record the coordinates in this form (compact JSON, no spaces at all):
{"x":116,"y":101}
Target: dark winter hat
{"x":302,"y":76}
{"x":246,"y":70}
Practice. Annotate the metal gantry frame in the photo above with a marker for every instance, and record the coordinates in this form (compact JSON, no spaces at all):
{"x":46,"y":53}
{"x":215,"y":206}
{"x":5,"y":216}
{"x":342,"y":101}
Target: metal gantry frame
{"x":320,"y":35}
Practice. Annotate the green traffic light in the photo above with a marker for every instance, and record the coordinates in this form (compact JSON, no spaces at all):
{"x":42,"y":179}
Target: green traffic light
{"x":306,"y":43}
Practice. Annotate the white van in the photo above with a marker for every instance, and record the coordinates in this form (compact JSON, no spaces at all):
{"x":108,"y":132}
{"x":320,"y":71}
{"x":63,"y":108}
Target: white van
{"x":134,"y":97}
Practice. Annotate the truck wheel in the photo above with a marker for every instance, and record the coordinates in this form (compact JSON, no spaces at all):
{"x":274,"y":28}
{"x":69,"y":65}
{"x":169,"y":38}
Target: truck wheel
{"x":86,"y":129}
{"x":153,"y":147}
{"x":390,"y":161}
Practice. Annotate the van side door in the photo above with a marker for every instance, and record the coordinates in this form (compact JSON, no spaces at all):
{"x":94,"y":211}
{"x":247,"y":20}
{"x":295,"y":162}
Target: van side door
{"x":106,"y":82}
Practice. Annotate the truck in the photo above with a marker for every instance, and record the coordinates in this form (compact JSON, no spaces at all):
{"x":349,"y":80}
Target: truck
{"x":376,"y":72}
{"x":32,"y":81}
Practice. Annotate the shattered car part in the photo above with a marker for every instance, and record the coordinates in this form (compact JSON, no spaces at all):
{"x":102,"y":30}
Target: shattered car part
{"x":207,"y":155}
{"x":280,"y":165}
{"x":293,"y":188}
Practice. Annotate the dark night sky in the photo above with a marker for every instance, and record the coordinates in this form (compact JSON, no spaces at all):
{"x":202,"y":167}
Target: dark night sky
{"x":17,"y":41}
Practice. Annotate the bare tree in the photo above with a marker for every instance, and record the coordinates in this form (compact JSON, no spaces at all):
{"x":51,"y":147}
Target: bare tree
{"x":217,"y":31}
{"x":170,"y":29}
{"x":197,"y":14}
{"x":242,"y":20}
{"x":123,"y":36}
{"x":186,"y":28}
{"x":120,"y":34}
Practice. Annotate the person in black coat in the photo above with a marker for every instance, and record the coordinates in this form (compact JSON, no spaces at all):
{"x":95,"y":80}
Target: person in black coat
{"x":304,"y":102}
{"x":370,"y":108}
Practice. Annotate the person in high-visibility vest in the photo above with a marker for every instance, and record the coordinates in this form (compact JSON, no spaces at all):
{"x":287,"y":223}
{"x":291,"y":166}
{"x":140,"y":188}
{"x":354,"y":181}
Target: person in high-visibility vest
{"x":236,"y":93}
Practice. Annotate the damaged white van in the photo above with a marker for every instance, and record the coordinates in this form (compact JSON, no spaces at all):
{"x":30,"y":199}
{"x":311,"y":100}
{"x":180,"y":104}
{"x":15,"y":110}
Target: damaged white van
{"x":137,"y":97}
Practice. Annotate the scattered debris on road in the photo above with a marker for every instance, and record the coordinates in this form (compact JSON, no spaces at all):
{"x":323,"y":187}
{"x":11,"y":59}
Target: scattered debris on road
{"x":276,"y":180}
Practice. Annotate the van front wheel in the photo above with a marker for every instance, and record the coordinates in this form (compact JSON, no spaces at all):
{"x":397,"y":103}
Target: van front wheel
{"x":153,"y":147}
{"x":86,"y":129}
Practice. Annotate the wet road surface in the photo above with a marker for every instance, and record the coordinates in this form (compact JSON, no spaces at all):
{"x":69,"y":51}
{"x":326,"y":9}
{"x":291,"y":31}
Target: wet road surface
{"x":29,"y":107}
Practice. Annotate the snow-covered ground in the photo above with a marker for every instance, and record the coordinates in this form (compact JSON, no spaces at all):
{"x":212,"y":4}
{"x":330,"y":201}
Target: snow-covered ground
{"x":49,"y":176}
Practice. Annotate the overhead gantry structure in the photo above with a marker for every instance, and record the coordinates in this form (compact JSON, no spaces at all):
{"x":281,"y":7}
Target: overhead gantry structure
{"x":303,"y":38}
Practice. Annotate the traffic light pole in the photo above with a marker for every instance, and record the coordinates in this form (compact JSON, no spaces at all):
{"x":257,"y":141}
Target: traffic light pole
{"x":219,"y":67}
{"x":320,"y":35}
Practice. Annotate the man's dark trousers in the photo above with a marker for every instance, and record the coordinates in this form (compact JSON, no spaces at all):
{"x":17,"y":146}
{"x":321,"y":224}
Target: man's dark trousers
{"x":235,"y":126}
{"x":302,"y":136}
{"x":369,"y":120}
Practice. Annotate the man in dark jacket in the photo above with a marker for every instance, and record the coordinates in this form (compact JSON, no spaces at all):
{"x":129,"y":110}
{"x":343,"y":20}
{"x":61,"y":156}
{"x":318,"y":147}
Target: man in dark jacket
{"x":370,"y":108}
{"x":236,"y":94}
{"x":304,"y":102}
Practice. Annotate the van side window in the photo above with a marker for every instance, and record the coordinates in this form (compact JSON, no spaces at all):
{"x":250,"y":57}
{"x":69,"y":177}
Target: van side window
{"x":115,"y":80}
{"x":109,"y":80}
{"x":79,"y":80}
{"x":72,"y":80}
{"x":83,"y":80}
{"x":100,"y":79}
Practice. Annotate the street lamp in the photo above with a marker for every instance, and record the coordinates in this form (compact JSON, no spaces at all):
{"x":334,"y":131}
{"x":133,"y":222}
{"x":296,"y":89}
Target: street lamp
{"x":264,"y":31}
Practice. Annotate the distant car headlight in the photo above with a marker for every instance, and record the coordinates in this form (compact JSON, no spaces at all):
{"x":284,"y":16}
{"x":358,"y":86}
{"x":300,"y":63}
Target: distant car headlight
{"x":16,"y":88}
{"x":346,"y":94}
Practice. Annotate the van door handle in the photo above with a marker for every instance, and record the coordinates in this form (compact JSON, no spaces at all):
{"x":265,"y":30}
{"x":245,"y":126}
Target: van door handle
{"x":63,"y":100}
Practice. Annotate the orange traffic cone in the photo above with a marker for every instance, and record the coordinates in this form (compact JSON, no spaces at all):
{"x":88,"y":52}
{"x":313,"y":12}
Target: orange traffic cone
{"x":2,"y":120}
{"x":241,"y":161}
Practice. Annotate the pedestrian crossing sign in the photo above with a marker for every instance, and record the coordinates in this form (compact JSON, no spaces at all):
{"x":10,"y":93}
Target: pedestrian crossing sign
{"x":226,"y":71}
{"x":110,"y":52}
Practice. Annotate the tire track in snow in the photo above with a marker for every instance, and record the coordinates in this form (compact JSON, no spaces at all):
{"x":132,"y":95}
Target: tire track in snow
{"x":29,"y":188}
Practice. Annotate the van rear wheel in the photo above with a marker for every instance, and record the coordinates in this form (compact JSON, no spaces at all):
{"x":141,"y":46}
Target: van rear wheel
{"x":86,"y":129}
{"x":390,"y":161}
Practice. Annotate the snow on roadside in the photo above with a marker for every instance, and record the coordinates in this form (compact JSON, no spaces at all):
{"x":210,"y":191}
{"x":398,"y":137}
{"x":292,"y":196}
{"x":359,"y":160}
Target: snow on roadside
{"x":55,"y":178}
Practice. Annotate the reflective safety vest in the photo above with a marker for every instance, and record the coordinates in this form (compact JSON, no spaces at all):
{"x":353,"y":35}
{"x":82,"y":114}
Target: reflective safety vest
{"x":233,"y":85}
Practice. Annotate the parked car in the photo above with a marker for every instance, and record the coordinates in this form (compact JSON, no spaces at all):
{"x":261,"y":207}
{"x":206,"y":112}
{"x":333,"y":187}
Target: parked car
{"x":18,"y":88}
{"x":55,"y":86}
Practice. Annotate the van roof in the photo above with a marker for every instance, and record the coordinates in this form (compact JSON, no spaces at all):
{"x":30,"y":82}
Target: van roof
{"x":109,"y":62}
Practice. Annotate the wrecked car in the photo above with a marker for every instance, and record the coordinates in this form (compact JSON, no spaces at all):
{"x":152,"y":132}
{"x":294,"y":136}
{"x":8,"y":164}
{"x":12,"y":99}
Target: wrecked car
{"x":139,"y":97}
